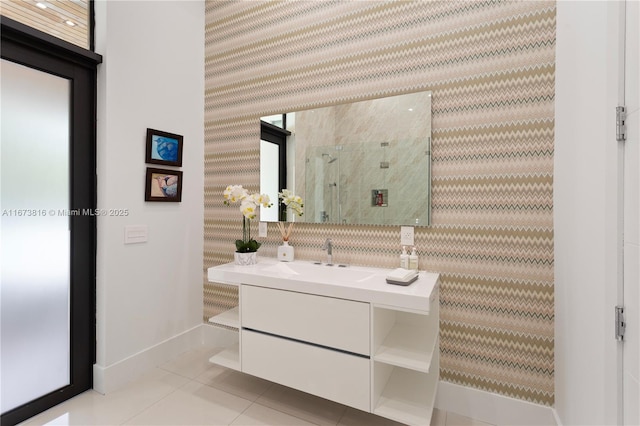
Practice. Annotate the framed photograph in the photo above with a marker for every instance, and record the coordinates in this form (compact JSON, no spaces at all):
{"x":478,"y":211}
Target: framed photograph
{"x":164,"y":148}
{"x":163,"y":185}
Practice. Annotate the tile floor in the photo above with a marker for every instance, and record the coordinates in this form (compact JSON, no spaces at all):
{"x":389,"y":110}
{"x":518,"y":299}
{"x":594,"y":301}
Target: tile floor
{"x":191,"y":391}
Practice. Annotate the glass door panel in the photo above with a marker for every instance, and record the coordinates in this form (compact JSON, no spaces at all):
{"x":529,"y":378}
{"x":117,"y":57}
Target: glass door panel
{"x":34,"y":234}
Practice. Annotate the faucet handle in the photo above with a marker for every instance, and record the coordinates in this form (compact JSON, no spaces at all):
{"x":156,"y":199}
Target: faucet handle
{"x":329,"y":248}
{"x":327,"y":244}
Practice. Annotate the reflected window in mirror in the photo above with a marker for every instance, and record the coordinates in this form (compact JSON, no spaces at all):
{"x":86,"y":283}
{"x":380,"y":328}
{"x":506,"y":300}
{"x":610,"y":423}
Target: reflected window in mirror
{"x":277,"y":120}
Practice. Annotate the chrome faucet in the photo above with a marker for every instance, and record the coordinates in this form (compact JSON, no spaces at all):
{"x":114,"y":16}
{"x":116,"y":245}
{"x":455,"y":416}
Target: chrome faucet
{"x":328,"y":247}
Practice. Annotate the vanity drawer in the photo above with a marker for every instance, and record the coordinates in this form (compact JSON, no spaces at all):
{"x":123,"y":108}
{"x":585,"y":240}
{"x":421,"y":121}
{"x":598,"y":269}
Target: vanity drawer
{"x":327,"y":373}
{"x":335,"y":323}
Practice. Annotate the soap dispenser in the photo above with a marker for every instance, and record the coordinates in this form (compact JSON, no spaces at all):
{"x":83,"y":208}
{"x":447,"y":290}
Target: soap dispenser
{"x":413,"y":260}
{"x":404,"y":258}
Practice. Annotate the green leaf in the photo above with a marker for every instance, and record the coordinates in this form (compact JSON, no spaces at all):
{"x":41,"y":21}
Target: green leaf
{"x":247,"y":247}
{"x":240,"y":246}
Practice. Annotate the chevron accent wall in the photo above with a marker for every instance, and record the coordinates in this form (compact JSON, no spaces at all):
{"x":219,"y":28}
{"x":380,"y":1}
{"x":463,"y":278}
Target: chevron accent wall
{"x":490,"y":65}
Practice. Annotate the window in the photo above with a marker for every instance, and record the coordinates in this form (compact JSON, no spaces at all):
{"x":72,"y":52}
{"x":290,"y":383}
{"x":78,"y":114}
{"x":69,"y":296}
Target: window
{"x":69,"y":20}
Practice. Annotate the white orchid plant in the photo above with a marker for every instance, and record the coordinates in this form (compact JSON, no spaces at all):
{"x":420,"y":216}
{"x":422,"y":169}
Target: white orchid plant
{"x":293,"y":202}
{"x":249,"y":204}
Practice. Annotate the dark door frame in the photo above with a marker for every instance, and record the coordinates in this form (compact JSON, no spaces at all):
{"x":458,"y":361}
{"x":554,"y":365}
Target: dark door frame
{"x":26,"y":46}
{"x":278,"y":136}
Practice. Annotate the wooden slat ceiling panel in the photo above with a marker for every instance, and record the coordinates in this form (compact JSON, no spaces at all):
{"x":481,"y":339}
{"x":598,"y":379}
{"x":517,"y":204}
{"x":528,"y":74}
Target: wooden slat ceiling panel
{"x":53,"y":19}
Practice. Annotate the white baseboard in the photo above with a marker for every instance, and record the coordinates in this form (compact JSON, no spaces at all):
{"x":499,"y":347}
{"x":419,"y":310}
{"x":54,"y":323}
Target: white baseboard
{"x":557,"y":418}
{"x":492,"y":408}
{"x":106,"y":379}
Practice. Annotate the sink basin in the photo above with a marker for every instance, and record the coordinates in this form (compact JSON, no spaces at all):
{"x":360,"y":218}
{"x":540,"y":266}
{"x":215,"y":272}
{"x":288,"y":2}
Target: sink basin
{"x":319,"y":272}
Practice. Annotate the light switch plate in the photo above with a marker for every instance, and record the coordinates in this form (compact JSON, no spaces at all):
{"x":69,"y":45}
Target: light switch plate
{"x":262,"y":229}
{"x":406,"y":235}
{"x":135,"y":234}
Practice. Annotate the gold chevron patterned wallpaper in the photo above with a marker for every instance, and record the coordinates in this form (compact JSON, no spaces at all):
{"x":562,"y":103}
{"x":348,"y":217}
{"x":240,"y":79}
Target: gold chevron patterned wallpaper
{"x":490,"y":65}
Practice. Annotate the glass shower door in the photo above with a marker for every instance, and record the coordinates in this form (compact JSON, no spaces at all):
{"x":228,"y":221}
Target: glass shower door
{"x":34,"y":234}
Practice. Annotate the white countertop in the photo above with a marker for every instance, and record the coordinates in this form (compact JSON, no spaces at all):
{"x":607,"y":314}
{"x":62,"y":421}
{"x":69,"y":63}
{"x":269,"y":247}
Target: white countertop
{"x":358,"y":283}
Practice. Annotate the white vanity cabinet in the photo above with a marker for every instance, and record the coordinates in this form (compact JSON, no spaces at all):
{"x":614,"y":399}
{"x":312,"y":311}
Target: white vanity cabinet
{"x":350,"y":338}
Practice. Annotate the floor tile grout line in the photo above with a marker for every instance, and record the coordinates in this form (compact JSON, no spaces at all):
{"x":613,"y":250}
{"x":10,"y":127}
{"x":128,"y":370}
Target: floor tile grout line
{"x":251,"y":402}
{"x":267,"y":389}
{"x":344,"y":413}
{"x":284,"y":412}
{"x":445,"y":417}
{"x":240,"y":414}
{"x":157,"y":401}
{"x":180,"y":374}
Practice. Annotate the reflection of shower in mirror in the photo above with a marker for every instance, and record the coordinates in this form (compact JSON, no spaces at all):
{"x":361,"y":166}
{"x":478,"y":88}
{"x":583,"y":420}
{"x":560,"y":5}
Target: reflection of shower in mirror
{"x":334,"y":196}
{"x":323,"y":177}
{"x":331,"y":158}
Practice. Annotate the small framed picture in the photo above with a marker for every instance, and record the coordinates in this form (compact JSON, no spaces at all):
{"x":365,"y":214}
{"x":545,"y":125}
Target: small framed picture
{"x":163,"y":185}
{"x":164,"y":148}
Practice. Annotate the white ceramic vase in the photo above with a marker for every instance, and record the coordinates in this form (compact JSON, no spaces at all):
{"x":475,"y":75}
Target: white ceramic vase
{"x":246,"y":258}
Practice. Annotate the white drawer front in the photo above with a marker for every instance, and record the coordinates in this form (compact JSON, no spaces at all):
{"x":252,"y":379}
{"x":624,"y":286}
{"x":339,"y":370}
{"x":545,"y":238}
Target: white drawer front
{"x":330,"y":374}
{"x":336,"y":323}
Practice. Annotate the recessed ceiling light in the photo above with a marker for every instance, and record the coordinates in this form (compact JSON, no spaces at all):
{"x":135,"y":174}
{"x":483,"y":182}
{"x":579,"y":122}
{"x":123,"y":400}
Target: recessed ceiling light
{"x":41,"y":5}
{"x":70,"y":23}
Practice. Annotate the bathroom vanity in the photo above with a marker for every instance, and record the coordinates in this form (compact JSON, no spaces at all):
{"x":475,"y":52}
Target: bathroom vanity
{"x":343,"y":334}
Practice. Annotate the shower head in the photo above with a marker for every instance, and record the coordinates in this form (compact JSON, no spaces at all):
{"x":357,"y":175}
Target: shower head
{"x":331,"y":159}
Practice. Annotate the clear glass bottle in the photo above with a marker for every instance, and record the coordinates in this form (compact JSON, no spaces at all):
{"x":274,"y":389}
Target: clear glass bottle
{"x":413,"y":260}
{"x":404,"y":258}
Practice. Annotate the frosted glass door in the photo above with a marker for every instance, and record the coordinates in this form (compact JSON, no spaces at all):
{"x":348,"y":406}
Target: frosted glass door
{"x":34,"y":261}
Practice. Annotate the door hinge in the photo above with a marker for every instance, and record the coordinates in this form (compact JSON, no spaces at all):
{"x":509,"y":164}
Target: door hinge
{"x":621,"y":126}
{"x":620,"y":324}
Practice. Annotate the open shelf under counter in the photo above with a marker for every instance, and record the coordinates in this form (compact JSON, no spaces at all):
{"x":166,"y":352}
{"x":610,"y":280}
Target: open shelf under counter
{"x":401,"y":347}
{"x":230,"y":318}
{"x":406,"y":339}
{"x":228,"y":357}
{"x":407,"y":396}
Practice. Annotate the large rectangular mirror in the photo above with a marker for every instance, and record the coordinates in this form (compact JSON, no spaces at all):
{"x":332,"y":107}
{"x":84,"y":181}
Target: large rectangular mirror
{"x":366,"y":162}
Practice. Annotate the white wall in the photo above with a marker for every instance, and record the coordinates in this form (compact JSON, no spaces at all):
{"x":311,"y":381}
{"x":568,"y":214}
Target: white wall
{"x":585,"y":212}
{"x":149,"y":295}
